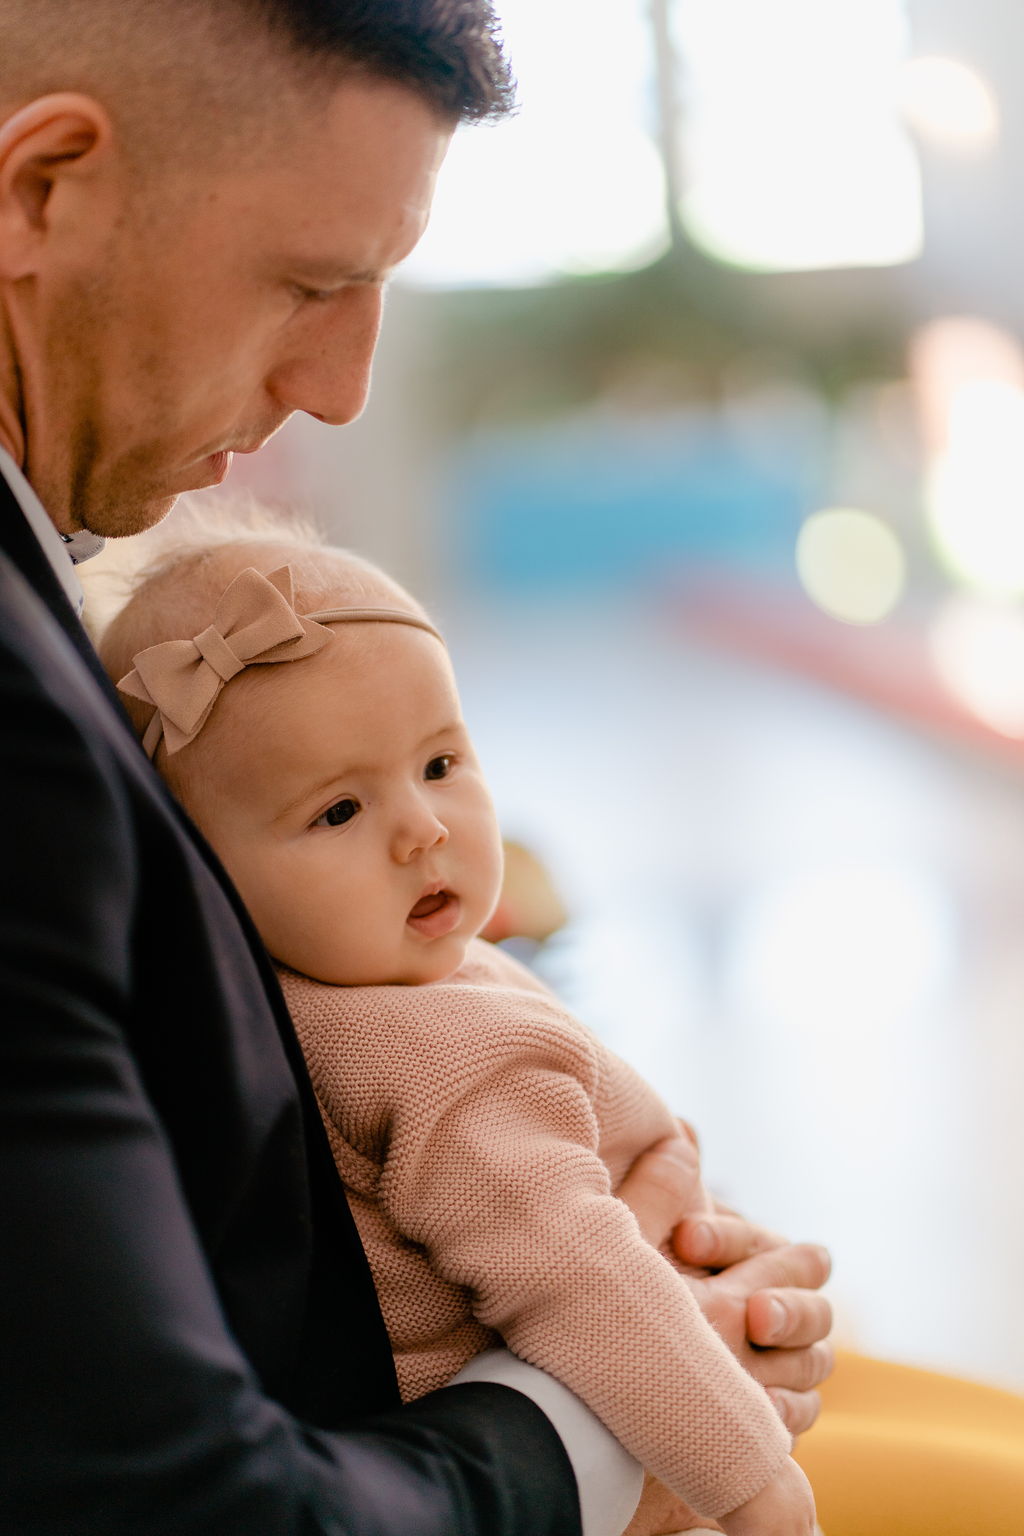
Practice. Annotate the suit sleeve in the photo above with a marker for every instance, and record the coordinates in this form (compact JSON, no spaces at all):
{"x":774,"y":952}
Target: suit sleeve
{"x":496,"y":1173}
{"x":127,"y":1406}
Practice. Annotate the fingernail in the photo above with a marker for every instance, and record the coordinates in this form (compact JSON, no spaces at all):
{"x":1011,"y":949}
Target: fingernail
{"x":778,"y":1318}
{"x":700,"y":1242}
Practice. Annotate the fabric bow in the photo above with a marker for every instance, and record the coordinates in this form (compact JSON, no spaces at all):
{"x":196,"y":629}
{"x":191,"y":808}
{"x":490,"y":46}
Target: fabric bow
{"x":254,"y":622}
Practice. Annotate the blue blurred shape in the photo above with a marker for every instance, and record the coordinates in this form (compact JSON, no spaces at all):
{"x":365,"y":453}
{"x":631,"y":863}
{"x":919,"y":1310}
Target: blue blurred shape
{"x":607,"y":500}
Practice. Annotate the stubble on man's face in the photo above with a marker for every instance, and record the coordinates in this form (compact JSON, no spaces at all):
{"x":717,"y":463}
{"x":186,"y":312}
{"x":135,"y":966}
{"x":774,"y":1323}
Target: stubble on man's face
{"x":195,"y":331}
{"x":66,"y":428}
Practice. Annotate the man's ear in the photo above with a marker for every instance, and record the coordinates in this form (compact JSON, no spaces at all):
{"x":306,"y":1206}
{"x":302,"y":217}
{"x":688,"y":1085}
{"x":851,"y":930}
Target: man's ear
{"x":51,"y":140}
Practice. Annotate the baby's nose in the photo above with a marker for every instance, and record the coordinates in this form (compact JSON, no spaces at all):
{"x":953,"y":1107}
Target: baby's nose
{"x":417,"y":832}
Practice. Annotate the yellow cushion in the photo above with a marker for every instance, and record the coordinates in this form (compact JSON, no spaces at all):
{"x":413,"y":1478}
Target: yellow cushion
{"x":905,"y":1452}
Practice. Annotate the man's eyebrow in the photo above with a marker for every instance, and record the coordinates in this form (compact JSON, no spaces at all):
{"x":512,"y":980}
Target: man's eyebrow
{"x":327,"y":272}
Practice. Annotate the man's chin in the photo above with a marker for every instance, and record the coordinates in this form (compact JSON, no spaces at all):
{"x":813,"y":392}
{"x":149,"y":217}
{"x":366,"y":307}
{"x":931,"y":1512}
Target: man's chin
{"x":131,"y":516}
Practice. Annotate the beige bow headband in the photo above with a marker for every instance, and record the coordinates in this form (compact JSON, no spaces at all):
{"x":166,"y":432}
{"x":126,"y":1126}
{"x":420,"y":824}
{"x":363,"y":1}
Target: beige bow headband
{"x":255,"y":624}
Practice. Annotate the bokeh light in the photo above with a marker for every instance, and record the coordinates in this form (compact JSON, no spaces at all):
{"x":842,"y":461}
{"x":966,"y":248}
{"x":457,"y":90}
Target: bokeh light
{"x":975,"y":489}
{"x":949,"y":353}
{"x":949,"y":105}
{"x":978,"y":650}
{"x":968,"y":377}
{"x":851,"y":565}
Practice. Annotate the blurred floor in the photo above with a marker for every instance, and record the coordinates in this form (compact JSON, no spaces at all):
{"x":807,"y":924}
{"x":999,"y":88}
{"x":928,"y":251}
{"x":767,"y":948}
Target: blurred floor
{"x":804,"y":924}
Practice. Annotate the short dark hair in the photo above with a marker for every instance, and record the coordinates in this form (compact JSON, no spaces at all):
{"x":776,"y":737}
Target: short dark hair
{"x":448,"y":50}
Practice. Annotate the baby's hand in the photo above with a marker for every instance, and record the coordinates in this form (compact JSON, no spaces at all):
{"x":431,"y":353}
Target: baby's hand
{"x":784,"y":1508}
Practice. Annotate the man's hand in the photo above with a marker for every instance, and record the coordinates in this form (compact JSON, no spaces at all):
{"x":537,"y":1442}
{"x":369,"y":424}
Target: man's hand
{"x":785,"y":1507}
{"x":766,"y":1311}
{"x":757,"y":1290}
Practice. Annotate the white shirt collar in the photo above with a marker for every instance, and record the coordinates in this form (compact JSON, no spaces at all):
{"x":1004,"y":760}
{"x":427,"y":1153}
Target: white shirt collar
{"x":63,"y":554}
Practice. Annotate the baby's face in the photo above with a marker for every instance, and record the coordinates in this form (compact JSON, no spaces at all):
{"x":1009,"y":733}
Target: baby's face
{"x":343,"y":795}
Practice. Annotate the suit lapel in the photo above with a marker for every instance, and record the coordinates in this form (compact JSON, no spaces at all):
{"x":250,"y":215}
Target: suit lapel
{"x":338,"y":1265}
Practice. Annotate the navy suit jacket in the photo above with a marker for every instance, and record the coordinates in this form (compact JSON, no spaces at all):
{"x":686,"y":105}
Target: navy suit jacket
{"x":190,"y":1338}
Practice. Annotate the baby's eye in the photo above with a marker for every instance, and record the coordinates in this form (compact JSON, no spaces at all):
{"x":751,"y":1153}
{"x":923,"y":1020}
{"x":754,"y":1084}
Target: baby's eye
{"x":439,"y":767}
{"x":336,"y":815}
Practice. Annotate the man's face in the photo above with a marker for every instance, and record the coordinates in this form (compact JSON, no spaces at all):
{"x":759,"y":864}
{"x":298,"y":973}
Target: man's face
{"x":220,"y":304}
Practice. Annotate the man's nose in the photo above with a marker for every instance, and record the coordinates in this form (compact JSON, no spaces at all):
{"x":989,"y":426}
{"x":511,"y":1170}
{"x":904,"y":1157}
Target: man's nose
{"x":417,"y":830}
{"x":327,"y":370}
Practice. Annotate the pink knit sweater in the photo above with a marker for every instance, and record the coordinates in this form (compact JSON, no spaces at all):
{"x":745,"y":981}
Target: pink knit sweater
{"x":480,"y":1131}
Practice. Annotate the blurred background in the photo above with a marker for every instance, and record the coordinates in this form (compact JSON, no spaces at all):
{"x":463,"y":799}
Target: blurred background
{"x":699,"y":421}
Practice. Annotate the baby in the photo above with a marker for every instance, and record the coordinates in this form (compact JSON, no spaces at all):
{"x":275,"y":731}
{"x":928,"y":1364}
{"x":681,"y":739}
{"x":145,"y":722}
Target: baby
{"x":303,"y":708}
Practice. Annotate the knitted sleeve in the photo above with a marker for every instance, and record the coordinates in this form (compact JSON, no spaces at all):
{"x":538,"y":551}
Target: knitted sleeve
{"x":478,"y":1104}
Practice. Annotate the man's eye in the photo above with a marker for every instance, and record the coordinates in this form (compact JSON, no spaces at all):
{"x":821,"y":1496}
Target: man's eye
{"x":337,"y":814}
{"x":438,"y":768}
{"x":312,"y":295}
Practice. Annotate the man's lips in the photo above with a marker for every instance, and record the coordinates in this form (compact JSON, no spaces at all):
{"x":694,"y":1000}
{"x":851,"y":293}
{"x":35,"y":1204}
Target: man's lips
{"x":220,"y":460}
{"x":435,"y":914}
{"x":220,"y":465}
{"x":214,"y":468}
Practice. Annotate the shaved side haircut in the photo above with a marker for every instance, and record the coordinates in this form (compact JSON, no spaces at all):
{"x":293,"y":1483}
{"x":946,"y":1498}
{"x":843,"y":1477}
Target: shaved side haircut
{"x":216,"y":76}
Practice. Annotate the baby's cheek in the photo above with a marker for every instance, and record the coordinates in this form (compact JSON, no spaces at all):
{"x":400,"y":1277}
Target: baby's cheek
{"x":293,"y":921}
{"x":253,"y":882}
{"x":343,"y":946}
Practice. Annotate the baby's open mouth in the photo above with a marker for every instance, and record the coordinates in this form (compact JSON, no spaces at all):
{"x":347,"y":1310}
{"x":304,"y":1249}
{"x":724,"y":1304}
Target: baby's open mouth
{"x":435,"y":914}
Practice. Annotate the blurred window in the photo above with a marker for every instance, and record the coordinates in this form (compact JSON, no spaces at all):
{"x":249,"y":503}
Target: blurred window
{"x":574,"y":182}
{"x":794,"y":153}
{"x":790,"y":141}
